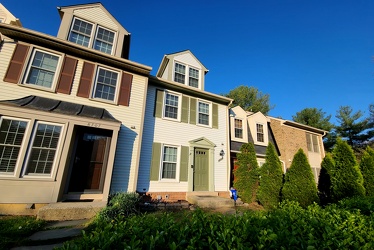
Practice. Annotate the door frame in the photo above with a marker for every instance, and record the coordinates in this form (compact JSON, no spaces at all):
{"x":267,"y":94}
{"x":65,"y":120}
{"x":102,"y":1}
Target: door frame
{"x":204,"y":143}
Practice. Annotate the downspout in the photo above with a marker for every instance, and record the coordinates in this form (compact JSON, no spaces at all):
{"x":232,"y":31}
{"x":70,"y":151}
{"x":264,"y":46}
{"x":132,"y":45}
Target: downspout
{"x":228,"y":148}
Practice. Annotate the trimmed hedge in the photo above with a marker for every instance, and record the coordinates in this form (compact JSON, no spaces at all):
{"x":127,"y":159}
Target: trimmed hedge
{"x":367,"y":170}
{"x":299,"y":182}
{"x":324,"y":180}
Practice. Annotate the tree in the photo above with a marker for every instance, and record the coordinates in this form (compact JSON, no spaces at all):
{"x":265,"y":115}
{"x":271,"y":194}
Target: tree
{"x":352,"y":127}
{"x":367,"y":170}
{"x":324,"y":180}
{"x":271,"y":179}
{"x":246,"y":174}
{"x":314,"y":117}
{"x":299,"y":184}
{"x":346,"y":177}
{"x":251,"y":99}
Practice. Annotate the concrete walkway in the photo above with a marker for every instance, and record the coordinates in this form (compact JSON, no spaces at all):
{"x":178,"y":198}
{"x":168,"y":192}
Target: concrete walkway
{"x":54,"y":235}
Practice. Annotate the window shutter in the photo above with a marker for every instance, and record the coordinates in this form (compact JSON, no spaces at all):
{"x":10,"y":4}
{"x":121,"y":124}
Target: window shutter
{"x":125,"y":89}
{"x":183,"y":175}
{"x":155,"y":163}
{"x":67,"y":75}
{"x":14,"y":71}
{"x":193,"y":110}
{"x":185,"y":104}
{"x":215,"y":116}
{"x":86,"y":80}
{"x":159,"y":103}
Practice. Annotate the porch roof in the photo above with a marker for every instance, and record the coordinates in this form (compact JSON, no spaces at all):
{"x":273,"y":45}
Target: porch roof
{"x":61,"y":107}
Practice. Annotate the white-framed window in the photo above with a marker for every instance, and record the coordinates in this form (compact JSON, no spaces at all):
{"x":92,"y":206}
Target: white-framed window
{"x":82,"y":33}
{"x":42,"y":68}
{"x":172,"y":106}
{"x":312,"y":142}
{"x":104,"y":40}
{"x":169,"y":162}
{"x":260,"y":132}
{"x":12,"y":133}
{"x":203,"y":113}
{"x":106,"y":82}
{"x":43,"y":148}
{"x":186,"y":74}
{"x":238,"y":128}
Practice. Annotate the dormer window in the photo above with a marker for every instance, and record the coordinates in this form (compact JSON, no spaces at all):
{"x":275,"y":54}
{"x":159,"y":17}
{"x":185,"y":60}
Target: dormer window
{"x":238,"y":128}
{"x":186,"y":75}
{"x":82,"y":33}
{"x":260,"y":132}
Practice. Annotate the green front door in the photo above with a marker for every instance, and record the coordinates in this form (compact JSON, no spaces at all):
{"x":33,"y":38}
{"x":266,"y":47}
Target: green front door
{"x":201,"y":170}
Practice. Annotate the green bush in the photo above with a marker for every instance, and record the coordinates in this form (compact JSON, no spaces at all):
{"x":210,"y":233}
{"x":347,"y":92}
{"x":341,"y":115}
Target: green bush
{"x":120,"y":204}
{"x":346,"y":177}
{"x":288,"y":227}
{"x":324,"y":180}
{"x":367,"y":170}
{"x":271,"y":179}
{"x":364,"y":204}
{"x":299,"y":184}
{"x":246,"y":174}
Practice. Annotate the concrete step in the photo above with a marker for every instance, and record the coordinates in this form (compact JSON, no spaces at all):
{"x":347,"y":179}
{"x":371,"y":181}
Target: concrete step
{"x":210,"y":201}
{"x":65,"y":211}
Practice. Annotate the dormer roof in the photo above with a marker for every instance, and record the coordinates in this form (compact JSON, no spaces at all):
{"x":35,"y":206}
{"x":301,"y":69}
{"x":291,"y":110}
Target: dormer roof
{"x":168,"y":57}
{"x":7,"y":17}
{"x":95,"y":7}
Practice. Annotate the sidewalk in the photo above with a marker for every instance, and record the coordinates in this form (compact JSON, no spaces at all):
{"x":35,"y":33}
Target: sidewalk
{"x":54,"y":235}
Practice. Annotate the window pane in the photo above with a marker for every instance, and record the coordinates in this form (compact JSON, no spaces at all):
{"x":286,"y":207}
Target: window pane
{"x":180,"y":73}
{"x":238,"y":128}
{"x":42,"y":69}
{"x":11,"y":136}
{"x":260,"y":132}
{"x":194,"y":77}
{"x":203,"y":113}
{"x":80,"y":32}
{"x":169,"y":162}
{"x":171,"y":106}
{"x":43,"y":150}
{"x":106,"y":83}
{"x":104,"y":40}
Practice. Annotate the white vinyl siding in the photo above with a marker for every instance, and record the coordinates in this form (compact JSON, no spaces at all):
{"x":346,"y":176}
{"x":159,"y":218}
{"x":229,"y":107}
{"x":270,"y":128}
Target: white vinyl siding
{"x":127,"y":154}
{"x":164,"y":131}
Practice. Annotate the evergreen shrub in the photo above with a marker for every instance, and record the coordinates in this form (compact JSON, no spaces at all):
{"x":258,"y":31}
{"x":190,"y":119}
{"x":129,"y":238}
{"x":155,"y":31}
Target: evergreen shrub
{"x":367,"y":170}
{"x":299,"y":184}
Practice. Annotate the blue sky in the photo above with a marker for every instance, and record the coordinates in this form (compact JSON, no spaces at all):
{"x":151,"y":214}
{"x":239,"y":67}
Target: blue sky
{"x":302,"y":53}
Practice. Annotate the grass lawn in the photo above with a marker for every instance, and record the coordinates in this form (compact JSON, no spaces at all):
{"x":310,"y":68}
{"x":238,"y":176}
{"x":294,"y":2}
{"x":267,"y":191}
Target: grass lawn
{"x":14,"y":230}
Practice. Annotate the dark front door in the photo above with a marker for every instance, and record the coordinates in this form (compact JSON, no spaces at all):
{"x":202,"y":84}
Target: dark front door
{"x":90,"y":158}
{"x":201,"y":170}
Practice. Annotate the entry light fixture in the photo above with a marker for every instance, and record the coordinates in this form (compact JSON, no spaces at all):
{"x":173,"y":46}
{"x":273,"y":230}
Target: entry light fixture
{"x":222,"y":153}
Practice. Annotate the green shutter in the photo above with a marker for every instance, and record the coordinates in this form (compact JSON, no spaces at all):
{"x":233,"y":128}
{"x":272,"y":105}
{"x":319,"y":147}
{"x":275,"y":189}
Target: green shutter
{"x":185,"y":152}
{"x":185,"y":107}
{"x":155,"y":163}
{"x":159,"y":103}
{"x":215,"y":116}
{"x":193,"y":110}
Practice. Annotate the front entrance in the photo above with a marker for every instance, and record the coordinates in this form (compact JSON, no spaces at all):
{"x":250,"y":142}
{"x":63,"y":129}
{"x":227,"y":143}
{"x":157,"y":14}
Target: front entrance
{"x":89,"y":160}
{"x":201,"y":170}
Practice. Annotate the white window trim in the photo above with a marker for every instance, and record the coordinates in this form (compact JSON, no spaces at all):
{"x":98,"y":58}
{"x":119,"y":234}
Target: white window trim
{"x":93,"y":35}
{"x":95,"y":38}
{"x":264,"y":131}
{"x":210,"y":113}
{"x":23,"y":143}
{"x":94,"y":84}
{"x":179,"y":115}
{"x":29,"y":59}
{"x":242,"y":128}
{"x":57,"y":156}
{"x":310,"y":135}
{"x":187,"y":74}
{"x":177,"y":170}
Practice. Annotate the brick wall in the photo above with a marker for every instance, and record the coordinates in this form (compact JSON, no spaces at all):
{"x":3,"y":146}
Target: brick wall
{"x":289,"y":140}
